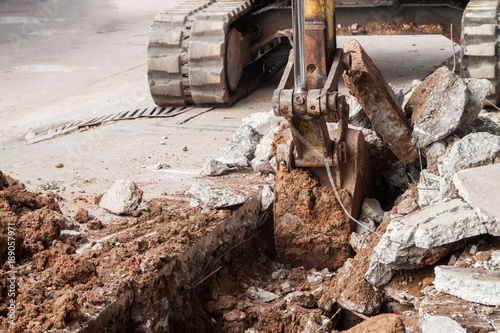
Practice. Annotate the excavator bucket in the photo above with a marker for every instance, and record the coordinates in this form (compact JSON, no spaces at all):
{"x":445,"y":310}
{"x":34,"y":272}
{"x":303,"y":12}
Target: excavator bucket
{"x":311,"y":227}
{"x":322,"y":175}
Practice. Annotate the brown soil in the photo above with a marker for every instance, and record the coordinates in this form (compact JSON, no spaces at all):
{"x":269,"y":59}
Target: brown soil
{"x":387,"y":323}
{"x":311,"y":229}
{"x":57,"y":287}
{"x":81,"y":216}
{"x":351,"y":286}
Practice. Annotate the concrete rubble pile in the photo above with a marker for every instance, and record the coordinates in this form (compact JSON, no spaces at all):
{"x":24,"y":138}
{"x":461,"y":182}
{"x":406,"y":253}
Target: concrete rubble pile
{"x":437,"y":262}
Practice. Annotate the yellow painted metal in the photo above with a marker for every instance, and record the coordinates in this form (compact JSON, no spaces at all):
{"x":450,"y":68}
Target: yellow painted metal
{"x":321,"y":11}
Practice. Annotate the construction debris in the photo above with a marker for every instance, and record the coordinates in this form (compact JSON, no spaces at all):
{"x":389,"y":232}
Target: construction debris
{"x":479,"y":187}
{"x":366,"y":83}
{"x":422,"y":238}
{"x":123,"y":197}
{"x":250,"y":147}
{"x":475,"y":149}
{"x":208,"y":199}
{"x":437,"y":107}
{"x":471,"y":284}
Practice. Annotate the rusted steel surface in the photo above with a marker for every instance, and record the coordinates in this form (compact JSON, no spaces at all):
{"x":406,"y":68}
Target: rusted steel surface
{"x":366,"y":83}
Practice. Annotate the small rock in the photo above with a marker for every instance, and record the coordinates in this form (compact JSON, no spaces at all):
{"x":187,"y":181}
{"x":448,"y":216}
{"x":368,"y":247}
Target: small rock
{"x":209,"y":199}
{"x":123,"y":197}
{"x":407,"y":206}
{"x":59,"y":165}
{"x":263,"y":122}
{"x":185,"y":148}
{"x":371,"y":209}
{"x":81,"y":216}
{"x":97,"y":199}
{"x":286,"y":288}
{"x":94,"y":225}
{"x":367,"y":224}
{"x":267,"y":198}
{"x":158,"y":166}
{"x":357,"y":116}
{"x":280,"y":274}
{"x":241,"y":149}
{"x":434,"y":150}
{"x":302,"y":298}
{"x":214,"y":168}
{"x":261,"y":295}
{"x":224,"y":303}
{"x":234,"y":315}
{"x":30,"y":135}
{"x":479,"y":88}
{"x":359,"y":241}
{"x":325,"y":303}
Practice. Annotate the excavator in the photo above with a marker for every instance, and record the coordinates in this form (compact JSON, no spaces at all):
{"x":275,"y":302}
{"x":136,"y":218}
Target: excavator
{"x":214,"y":52}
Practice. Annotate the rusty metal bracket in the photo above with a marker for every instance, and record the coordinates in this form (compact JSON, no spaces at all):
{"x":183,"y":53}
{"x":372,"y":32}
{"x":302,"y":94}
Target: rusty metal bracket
{"x":307,"y":112}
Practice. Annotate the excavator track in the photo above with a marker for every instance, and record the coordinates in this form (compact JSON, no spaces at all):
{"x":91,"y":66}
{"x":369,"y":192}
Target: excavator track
{"x":481,"y":43}
{"x":187,"y":49}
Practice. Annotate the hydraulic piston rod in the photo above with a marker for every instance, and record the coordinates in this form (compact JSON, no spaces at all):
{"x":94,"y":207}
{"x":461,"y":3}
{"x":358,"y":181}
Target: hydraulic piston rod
{"x":299,"y":47}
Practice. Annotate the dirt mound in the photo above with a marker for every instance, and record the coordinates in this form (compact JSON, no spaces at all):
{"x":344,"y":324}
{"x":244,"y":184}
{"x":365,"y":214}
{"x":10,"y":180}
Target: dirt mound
{"x":29,"y":220}
{"x":63,"y":282}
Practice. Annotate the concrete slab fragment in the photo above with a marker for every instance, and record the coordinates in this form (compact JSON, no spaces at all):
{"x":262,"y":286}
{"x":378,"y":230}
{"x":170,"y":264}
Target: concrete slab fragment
{"x":473,"y":317}
{"x":366,"y":83}
{"x":480,"y":187}
{"x":473,"y":150}
{"x":422,"y":238}
{"x":437,"y":106}
{"x":474,"y":285}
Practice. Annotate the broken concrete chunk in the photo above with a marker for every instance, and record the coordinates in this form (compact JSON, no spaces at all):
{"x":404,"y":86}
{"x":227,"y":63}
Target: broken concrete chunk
{"x":449,"y":228}
{"x":437,"y":107}
{"x":428,"y":188}
{"x":371,"y":208}
{"x":474,"y":285}
{"x":479,"y":88}
{"x":359,"y":241}
{"x":123,"y":197}
{"x":409,"y":92}
{"x":426,"y":234}
{"x":214,"y":168}
{"x":357,"y":117}
{"x":398,"y":92}
{"x":473,"y":317}
{"x":264,"y":153}
{"x":434,"y":150}
{"x":302,"y":298}
{"x":266,"y":198}
{"x":261,"y":295}
{"x":484,"y":124}
{"x":480,"y":187}
{"x":440,"y":324}
{"x":372,"y":91}
{"x":366,"y":225}
{"x":407,"y":206}
{"x":241,"y":149}
{"x":263,"y":122}
{"x":209,"y":199}
{"x":475,"y":149}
